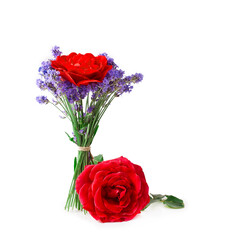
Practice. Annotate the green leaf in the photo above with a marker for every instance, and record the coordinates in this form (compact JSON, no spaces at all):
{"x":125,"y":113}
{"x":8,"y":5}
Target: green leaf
{"x":173,"y":202}
{"x":75,"y":163}
{"x":98,"y":159}
{"x":70,"y":138}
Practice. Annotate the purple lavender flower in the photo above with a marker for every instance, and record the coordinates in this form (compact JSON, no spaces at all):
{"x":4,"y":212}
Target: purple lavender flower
{"x":41,"y":84}
{"x":78,"y":107}
{"x":83,"y":91}
{"x":51,"y":87}
{"x":81,"y":131}
{"x":94,"y":87}
{"x":109,"y":59}
{"x":72,"y":95}
{"x":137,"y":77}
{"x":127,"y":79}
{"x":90,"y":109}
{"x":94,"y":96}
{"x":74,"y":137}
{"x":42,"y":100}
{"x":127,"y":88}
{"x":56,"y":52}
{"x":115,"y":73}
{"x":44,"y":67}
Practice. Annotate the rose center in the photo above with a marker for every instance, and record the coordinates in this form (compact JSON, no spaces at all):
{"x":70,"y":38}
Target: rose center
{"x":115,"y":192}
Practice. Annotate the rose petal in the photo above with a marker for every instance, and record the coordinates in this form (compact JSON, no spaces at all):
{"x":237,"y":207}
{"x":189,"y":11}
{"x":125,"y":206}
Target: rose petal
{"x":83,"y":177}
{"x":86,"y":198}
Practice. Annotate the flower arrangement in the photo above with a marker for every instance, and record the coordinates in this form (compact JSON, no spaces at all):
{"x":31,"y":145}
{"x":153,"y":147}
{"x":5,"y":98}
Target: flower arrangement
{"x":82,"y":87}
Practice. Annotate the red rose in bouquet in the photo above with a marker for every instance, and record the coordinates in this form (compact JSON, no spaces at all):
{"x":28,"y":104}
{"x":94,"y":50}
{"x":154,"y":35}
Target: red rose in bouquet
{"x":81,"y":69}
{"x":113,"y":191}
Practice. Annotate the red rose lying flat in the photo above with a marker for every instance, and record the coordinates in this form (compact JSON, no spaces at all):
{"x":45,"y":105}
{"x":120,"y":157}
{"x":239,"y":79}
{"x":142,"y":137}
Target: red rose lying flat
{"x":113,"y":191}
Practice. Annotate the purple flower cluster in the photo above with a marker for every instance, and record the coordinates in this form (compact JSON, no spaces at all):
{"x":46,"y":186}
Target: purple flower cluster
{"x":73,"y":92}
{"x":110,"y":60}
{"x":90,"y":109}
{"x":41,"y":84}
{"x":45,"y":66}
{"x":56,"y":52}
{"x":50,"y":78}
{"x":78,"y":107}
{"x":42,"y":100}
{"x":114,"y":82}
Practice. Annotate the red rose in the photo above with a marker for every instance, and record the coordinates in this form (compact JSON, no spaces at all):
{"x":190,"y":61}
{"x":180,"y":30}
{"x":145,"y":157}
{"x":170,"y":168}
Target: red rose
{"x":113,"y":191}
{"x":81,"y":69}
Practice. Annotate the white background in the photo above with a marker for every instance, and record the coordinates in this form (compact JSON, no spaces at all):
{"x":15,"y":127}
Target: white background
{"x":181,"y":124}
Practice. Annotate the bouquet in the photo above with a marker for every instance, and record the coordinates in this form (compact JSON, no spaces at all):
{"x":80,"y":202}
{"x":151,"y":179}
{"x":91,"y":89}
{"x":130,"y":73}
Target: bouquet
{"x":82,"y":86}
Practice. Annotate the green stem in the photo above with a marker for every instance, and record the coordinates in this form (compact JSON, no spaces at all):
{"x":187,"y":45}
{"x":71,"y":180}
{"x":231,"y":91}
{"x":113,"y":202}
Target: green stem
{"x":90,"y":122}
{"x":168,"y":200}
{"x":60,"y":110}
{"x":73,"y":199}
